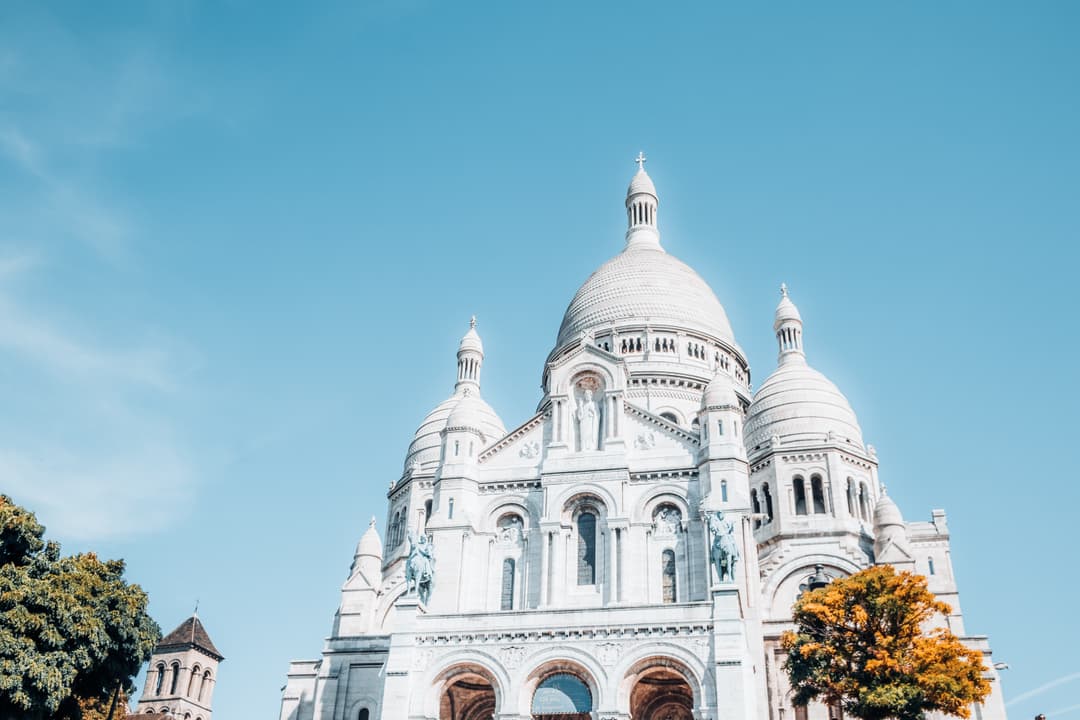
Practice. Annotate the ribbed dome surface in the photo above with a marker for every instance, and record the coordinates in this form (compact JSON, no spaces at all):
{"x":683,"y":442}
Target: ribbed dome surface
{"x":886,"y":513}
{"x":645,"y":284}
{"x":800,"y":404}
{"x":427,"y":441}
{"x":641,"y":183}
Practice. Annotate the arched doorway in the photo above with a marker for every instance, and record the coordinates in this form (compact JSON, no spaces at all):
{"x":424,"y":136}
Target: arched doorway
{"x":661,"y":693}
{"x":562,"y":696}
{"x":467,"y":695}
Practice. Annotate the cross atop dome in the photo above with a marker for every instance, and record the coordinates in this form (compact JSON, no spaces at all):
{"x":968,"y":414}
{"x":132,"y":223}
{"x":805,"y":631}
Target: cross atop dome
{"x":640,"y":160}
{"x":783,"y":289}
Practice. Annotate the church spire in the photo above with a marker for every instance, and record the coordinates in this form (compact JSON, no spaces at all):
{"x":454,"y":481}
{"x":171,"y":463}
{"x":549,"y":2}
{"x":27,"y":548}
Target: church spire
{"x":789,"y":328}
{"x":641,"y":204}
{"x":470,"y":358}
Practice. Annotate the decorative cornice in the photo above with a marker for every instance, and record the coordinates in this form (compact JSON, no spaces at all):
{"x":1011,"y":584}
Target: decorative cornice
{"x":564,"y":634}
{"x":508,"y":486}
{"x":654,"y":475}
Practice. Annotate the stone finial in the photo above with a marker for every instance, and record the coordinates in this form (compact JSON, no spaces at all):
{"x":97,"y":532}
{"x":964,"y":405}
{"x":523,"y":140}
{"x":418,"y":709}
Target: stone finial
{"x":472,"y":322}
{"x":783,"y":289}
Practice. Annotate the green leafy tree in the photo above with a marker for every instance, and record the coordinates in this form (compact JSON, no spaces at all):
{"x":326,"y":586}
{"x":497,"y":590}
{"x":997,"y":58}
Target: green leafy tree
{"x":72,"y":631}
{"x":862,"y":642}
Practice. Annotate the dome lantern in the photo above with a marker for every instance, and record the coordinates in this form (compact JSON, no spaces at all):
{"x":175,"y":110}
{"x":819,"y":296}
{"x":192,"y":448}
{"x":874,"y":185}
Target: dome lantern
{"x":641,"y":204}
{"x":470,"y":358}
{"x":789,"y":328}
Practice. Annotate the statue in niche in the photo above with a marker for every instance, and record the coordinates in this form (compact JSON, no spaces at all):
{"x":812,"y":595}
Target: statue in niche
{"x":588,"y":415}
{"x":724,"y":551}
{"x":420,"y":567}
{"x":667,"y":521}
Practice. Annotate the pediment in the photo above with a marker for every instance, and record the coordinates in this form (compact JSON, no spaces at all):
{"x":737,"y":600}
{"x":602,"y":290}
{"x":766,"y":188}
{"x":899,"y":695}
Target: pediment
{"x":649,"y":435}
{"x":521,"y":447}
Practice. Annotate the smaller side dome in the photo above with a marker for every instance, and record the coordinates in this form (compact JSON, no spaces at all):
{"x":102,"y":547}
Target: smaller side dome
{"x":887,"y":514}
{"x":891,"y":542}
{"x":370,"y":544}
{"x":468,"y":413}
{"x":720,"y":392}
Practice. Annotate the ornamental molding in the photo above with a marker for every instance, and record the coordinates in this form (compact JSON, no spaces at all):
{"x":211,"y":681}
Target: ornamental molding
{"x":758,"y":467}
{"x":503,"y":486}
{"x":512,"y":657}
{"x":513,"y":436}
{"x":804,"y":457}
{"x":654,"y":476}
{"x":608,"y":653}
{"x":856,"y":461}
{"x":542,"y":635}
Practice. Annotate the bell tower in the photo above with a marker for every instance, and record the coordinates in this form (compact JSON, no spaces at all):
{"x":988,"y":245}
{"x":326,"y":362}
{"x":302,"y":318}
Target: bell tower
{"x":182,"y":674}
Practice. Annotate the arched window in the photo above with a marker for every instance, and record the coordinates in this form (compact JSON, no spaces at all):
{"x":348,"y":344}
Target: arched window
{"x":364,"y":714}
{"x":755,"y":507}
{"x":864,"y":502}
{"x":450,"y":509}
{"x":800,"y":495}
{"x":175,"y":683}
{"x":723,"y":490}
{"x":768,"y":502}
{"x":667,"y":564}
{"x":930,"y":563}
{"x":561,"y":694}
{"x":851,"y":497}
{"x":192,"y":683}
{"x":670,"y":417}
{"x":160,"y":679}
{"x":203,"y":685}
{"x":586,"y":551}
{"x":507,"y":600}
{"x":818,"y":491}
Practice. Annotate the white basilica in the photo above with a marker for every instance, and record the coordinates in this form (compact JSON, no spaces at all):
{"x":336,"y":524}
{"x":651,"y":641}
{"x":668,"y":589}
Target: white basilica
{"x":565,"y":568}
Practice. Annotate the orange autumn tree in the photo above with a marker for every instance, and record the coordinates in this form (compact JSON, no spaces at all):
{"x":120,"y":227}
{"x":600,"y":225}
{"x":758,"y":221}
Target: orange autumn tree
{"x":862,"y":643}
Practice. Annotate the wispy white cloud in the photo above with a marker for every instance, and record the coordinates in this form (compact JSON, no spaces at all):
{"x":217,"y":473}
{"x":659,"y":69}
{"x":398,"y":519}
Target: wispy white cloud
{"x":108,"y":461}
{"x":1062,"y":711}
{"x":69,"y":202}
{"x":88,"y":434}
{"x":1045,"y":687}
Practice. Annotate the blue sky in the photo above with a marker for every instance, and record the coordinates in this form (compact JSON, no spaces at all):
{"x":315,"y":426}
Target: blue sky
{"x":239,"y":242}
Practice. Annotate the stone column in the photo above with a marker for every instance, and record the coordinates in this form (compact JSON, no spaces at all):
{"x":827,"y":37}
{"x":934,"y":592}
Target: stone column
{"x":612,"y":565}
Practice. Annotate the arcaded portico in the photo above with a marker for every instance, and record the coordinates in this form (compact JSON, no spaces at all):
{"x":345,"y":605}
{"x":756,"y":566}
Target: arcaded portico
{"x":632,"y":550}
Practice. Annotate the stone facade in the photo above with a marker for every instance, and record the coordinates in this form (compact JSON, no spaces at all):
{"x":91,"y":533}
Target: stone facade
{"x":573,"y":570}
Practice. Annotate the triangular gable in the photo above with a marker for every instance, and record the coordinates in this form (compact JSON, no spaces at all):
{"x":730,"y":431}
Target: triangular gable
{"x":521,"y":446}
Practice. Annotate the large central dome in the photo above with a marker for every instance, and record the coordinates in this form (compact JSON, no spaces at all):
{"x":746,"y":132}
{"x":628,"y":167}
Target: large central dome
{"x":644,"y":284}
{"x":647,"y":305}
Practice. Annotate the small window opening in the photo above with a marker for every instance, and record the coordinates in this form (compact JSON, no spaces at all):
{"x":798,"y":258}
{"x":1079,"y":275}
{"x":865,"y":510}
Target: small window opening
{"x":800,"y":496}
{"x":667,"y":562}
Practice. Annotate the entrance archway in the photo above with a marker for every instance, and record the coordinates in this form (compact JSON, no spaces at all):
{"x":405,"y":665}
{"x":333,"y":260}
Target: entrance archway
{"x":562,"y":696}
{"x":661,"y":693}
{"x":467,"y":695}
